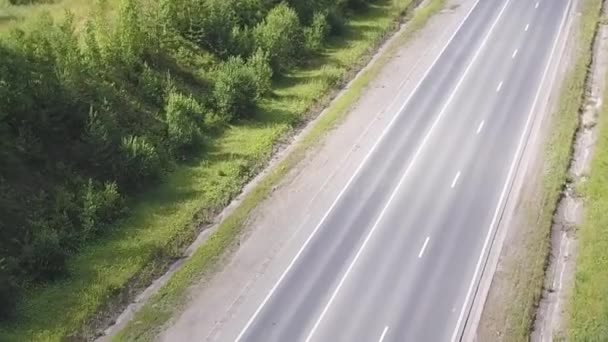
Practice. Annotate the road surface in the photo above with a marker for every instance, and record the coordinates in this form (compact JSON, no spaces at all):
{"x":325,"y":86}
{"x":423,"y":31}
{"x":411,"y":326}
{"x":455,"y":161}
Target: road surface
{"x":398,"y":254}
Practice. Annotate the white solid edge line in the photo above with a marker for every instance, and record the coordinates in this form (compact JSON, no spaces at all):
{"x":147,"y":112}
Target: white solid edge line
{"x":406,"y":172}
{"x":365,"y":159}
{"x":510,"y":175}
{"x":480,"y":126}
{"x":499,"y":87}
{"x":426,"y":242}
{"x":383,"y":334}
{"x":514,"y":53}
{"x":455,"y":180}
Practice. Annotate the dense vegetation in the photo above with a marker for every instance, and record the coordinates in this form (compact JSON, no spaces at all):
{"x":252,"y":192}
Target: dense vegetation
{"x":91,"y":115}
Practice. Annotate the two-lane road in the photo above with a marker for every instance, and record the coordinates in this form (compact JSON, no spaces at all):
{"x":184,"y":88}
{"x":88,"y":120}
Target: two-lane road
{"x":398,"y":254}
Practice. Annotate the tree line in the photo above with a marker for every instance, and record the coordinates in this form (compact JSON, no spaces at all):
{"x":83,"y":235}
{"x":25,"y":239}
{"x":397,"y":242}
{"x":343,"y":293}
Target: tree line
{"x":93,"y":113}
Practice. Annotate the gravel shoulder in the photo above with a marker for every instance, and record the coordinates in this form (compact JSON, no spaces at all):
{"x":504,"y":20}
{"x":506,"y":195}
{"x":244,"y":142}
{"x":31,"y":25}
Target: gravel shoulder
{"x":280,"y":224}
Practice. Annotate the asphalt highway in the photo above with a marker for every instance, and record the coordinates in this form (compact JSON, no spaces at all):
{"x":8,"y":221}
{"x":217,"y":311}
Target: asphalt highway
{"x":398,"y":254}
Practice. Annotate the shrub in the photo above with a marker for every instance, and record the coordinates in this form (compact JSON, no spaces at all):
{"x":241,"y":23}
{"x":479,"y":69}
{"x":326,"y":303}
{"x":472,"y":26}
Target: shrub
{"x":43,"y":256}
{"x":68,"y":57}
{"x":152,"y":85}
{"x":141,"y":160}
{"x":280,"y":36}
{"x":261,"y":72}
{"x":172,"y":14}
{"x":211,"y":24}
{"x":241,"y":42}
{"x":314,"y":36}
{"x":129,"y":36}
{"x":335,"y":12}
{"x":184,"y":117}
{"x":102,"y":138}
{"x":92,"y":50}
{"x":235,"y":91}
{"x":251,"y":12}
{"x":100,"y":207}
{"x":336,"y":21}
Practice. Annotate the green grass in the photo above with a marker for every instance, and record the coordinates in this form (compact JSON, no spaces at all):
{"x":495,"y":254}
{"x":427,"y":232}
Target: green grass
{"x":165,"y":219}
{"x":588,"y":312}
{"x":528,"y":272}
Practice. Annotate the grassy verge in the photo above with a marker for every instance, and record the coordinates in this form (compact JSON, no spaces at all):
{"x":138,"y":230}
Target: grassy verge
{"x":163,"y":220}
{"x":161,"y":306}
{"x":589,"y":303}
{"x":527,"y":269}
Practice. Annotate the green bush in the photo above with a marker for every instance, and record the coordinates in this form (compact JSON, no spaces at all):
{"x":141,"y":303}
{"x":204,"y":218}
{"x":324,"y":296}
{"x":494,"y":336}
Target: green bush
{"x":307,"y":9}
{"x":141,"y":159}
{"x":251,"y":12}
{"x":43,"y":255}
{"x":235,"y":89}
{"x":129,"y":39}
{"x":280,"y":35}
{"x":242,"y":43}
{"x":261,"y":72}
{"x":172,"y":15}
{"x":336,"y":19}
{"x":335,"y":12}
{"x":152,"y":85}
{"x":102,"y":138}
{"x":100,"y":207}
{"x":184,"y":117}
{"x":211,"y":25}
{"x":315,"y":34}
